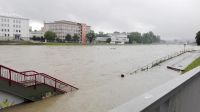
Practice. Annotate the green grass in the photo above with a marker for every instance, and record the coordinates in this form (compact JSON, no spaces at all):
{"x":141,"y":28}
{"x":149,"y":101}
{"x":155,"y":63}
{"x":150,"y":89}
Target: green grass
{"x":193,"y":65}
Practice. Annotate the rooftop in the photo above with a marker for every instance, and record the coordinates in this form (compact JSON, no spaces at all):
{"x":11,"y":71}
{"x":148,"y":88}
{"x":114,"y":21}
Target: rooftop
{"x":9,"y":15}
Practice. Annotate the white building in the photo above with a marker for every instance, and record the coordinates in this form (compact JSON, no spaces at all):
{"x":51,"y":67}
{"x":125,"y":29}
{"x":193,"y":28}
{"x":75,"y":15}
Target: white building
{"x":36,"y":34}
{"x":14,"y":28}
{"x":118,"y":38}
{"x":101,"y":39}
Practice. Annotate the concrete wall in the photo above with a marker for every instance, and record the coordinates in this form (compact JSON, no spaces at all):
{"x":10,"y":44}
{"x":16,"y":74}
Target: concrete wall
{"x":181,"y":94}
{"x":186,"y":100}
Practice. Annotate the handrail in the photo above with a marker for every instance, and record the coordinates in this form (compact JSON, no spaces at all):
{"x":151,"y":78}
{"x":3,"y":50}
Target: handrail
{"x":36,"y":77}
{"x":160,"y":60}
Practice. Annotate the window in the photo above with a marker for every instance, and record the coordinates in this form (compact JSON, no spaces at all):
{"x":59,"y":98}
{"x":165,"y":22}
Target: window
{"x":8,"y":35}
{"x":19,"y":30}
{"x":5,"y":35}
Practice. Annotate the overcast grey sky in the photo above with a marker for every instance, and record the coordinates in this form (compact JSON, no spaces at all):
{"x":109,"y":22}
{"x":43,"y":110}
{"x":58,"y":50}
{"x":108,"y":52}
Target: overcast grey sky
{"x":172,"y":19}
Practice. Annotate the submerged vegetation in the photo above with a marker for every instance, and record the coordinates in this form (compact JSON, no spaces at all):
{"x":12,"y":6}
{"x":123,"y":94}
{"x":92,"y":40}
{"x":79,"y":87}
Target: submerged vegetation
{"x":193,"y":65}
{"x":5,"y":103}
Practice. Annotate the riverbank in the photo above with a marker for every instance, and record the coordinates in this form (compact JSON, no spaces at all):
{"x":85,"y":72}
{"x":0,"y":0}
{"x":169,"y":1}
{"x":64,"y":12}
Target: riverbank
{"x":22,"y":42}
{"x":9,"y":42}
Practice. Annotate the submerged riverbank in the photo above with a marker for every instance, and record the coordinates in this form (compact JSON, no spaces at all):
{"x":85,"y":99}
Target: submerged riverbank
{"x":8,"y":42}
{"x":95,"y":70}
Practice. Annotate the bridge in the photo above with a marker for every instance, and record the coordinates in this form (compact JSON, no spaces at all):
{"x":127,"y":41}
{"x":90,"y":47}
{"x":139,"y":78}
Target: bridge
{"x":31,"y":85}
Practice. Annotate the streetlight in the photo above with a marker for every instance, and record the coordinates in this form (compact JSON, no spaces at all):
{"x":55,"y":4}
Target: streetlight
{"x":184,"y":46}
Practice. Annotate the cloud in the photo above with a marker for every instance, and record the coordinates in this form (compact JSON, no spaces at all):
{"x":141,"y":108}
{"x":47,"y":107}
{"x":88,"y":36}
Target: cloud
{"x":172,"y":19}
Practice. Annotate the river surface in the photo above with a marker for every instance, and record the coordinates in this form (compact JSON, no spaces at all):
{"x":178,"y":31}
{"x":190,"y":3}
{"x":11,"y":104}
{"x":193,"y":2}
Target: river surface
{"x":93,"y":69}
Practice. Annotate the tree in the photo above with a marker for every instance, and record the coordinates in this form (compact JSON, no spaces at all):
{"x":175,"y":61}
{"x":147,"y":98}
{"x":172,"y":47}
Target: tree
{"x":50,"y":36}
{"x":102,"y":34}
{"x":108,"y":40}
{"x":91,"y":36}
{"x":198,"y":38}
{"x":150,"y":37}
{"x":68,"y":37}
{"x":135,"y":37}
{"x":76,"y":38}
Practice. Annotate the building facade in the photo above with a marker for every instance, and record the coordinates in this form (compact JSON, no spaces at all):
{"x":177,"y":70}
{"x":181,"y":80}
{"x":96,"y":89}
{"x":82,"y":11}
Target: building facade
{"x":118,"y":38}
{"x":62,"y":28}
{"x":13,"y":28}
{"x":36,"y":34}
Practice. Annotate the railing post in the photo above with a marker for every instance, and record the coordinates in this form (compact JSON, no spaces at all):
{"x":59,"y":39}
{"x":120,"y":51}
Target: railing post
{"x":10,"y":78}
{"x":35,"y":82}
{"x":55,"y":85}
{"x":44,"y":79}
{"x":0,"y":70}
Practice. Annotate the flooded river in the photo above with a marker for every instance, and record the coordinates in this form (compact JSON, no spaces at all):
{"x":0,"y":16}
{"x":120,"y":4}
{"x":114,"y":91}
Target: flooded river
{"x":94,"y":70}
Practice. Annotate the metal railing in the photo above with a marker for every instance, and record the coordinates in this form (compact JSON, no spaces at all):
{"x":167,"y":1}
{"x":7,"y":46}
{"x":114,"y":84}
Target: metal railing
{"x":33,"y":78}
{"x":161,"y":60}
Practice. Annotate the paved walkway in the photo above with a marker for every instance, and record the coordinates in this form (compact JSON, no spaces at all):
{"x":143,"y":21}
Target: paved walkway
{"x":183,"y":62}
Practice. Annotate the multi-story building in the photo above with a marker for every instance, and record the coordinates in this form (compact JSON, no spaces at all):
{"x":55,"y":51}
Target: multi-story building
{"x":13,"y":28}
{"x":62,"y":28}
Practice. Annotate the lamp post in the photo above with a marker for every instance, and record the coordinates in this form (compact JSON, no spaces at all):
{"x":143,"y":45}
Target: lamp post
{"x":184,"y":47}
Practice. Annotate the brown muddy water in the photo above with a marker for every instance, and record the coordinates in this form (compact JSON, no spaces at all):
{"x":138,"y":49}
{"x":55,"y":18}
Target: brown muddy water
{"x":95,"y":70}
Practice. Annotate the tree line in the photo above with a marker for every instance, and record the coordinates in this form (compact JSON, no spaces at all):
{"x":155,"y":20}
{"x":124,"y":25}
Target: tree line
{"x":145,"y":38}
{"x":134,"y":37}
{"x":50,"y":36}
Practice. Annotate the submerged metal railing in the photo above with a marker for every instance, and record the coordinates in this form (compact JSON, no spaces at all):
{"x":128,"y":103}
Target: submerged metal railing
{"x":160,"y":60}
{"x":33,"y":78}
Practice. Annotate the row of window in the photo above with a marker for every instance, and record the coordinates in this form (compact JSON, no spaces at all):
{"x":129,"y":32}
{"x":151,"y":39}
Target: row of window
{"x":8,"y":20}
{"x":4,"y":20}
{"x":6,"y":35}
{"x":7,"y":30}
{"x":7,"y":25}
{"x":17,"y":26}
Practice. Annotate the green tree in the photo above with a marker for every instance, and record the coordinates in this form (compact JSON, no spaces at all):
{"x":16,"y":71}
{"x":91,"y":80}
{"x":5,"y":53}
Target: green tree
{"x":76,"y":38}
{"x":198,"y":38}
{"x":68,"y":37}
{"x":108,"y":40}
{"x":50,"y":36}
{"x":102,"y":34}
{"x":135,"y":37}
{"x":150,"y":37}
{"x":91,"y":36}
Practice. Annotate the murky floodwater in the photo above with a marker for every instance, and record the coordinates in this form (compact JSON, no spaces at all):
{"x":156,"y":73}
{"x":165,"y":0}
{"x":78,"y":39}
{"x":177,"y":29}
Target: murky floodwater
{"x":94,"y":70}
